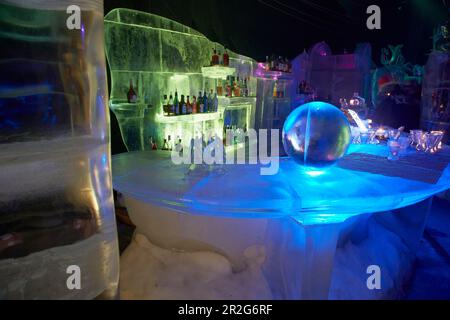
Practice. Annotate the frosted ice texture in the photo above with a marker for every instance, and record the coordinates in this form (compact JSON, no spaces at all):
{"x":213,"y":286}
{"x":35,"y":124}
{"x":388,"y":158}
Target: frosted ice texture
{"x":56,"y":206}
{"x":155,"y":52}
{"x":436,"y":93}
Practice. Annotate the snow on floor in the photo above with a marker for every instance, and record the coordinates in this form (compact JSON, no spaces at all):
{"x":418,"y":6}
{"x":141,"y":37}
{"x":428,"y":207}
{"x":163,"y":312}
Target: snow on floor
{"x":382,"y":248}
{"x":149,"y":272}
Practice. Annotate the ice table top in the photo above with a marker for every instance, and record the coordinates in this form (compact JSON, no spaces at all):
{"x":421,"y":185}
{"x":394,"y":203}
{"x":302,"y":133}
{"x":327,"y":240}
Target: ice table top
{"x":312,"y":197}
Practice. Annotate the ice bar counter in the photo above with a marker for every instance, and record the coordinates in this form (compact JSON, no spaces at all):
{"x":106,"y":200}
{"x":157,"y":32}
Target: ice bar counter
{"x":307,"y":221}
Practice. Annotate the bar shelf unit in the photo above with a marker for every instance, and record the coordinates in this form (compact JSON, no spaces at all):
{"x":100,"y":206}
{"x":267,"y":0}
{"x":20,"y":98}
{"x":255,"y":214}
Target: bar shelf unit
{"x":218,"y":72}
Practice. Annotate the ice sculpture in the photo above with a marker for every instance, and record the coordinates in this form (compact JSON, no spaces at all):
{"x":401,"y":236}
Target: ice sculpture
{"x":395,"y":70}
{"x":316,"y":134}
{"x":56,"y":206}
{"x":161,"y":56}
{"x":333,"y":76}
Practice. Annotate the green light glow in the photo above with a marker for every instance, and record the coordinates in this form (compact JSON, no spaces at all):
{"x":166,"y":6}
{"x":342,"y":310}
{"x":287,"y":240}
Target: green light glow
{"x":162,"y":56}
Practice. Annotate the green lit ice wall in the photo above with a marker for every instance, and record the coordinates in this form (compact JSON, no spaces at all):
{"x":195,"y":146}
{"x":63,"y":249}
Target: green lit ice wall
{"x":159,"y":56}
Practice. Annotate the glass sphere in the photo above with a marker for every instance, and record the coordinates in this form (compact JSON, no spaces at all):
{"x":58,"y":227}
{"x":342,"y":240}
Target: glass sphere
{"x":316,"y":134}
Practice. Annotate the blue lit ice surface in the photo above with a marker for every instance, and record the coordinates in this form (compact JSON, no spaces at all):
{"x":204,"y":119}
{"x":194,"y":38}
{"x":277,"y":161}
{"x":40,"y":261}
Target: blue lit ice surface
{"x":312,"y":196}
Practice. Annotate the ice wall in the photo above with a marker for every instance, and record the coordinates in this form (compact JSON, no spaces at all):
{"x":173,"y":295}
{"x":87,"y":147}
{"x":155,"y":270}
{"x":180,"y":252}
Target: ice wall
{"x":56,"y":206}
{"x":436,"y":93}
{"x":159,"y":55}
{"x":335,"y":76}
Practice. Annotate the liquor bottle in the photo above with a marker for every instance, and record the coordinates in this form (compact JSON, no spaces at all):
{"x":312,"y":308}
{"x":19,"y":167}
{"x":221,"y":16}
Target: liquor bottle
{"x":275,"y":90}
{"x":267,"y":64}
{"x":219,"y":88}
{"x":200,"y":104}
{"x":153,"y":144}
{"x":176,"y":104}
{"x":188,"y":106}
{"x":182,"y":105}
{"x":245,"y":88}
{"x":169,"y":143}
{"x":131,"y":95}
{"x":194,"y":104}
{"x":236,"y":88}
{"x":165,"y":106}
{"x":165,"y":145}
{"x":215,"y":103}
{"x":215,"y":58}
{"x":227,"y":87}
{"x":241,"y":87}
{"x":272,"y":63}
{"x":226,"y":58}
{"x":205,"y":103}
{"x":170,"y":106}
{"x":210,"y":102}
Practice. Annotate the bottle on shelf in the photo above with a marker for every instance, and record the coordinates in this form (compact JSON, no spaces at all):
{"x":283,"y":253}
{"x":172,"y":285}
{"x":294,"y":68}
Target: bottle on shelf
{"x":228,"y":87}
{"x":245,"y":88}
{"x":215,"y":58}
{"x":275,"y":90}
{"x":267,"y":64}
{"x":165,"y":146}
{"x":131,"y":95}
{"x":176,"y":104}
{"x":165,"y":105}
{"x":170,"y":105}
{"x":153,"y":144}
{"x":179,"y":146}
{"x":205,"y":103}
{"x":210,"y":102}
{"x":194,"y":104}
{"x":235,"y":88}
{"x":169,"y":143}
{"x":226,"y":58}
{"x":182,"y":105}
{"x":219,"y":88}
{"x":200,"y":103}
{"x":188,"y":106}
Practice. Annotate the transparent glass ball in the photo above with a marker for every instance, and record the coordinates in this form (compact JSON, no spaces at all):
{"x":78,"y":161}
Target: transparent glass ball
{"x":316,"y":134}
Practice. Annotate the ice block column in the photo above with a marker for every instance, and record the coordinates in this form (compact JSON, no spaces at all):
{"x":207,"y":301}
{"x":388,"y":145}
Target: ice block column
{"x":58,"y":237}
{"x":300,"y":258}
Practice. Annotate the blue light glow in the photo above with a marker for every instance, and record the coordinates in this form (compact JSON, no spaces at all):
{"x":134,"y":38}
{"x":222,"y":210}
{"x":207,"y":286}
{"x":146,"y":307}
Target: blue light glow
{"x":314,"y":173}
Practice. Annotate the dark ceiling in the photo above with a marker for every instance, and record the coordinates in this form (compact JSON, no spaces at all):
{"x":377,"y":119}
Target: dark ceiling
{"x":257,"y":28}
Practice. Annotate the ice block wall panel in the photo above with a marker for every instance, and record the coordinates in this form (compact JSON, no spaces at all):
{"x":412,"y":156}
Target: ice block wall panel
{"x":159,"y":56}
{"x":56,"y":206}
{"x":436,"y":93}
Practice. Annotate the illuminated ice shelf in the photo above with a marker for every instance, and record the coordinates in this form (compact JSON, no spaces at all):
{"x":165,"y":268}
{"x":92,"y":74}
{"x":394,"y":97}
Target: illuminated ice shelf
{"x":236,"y":101}
{"x":195,"y":117}
{"x":273,"y":75}
{"x":218,"y":72}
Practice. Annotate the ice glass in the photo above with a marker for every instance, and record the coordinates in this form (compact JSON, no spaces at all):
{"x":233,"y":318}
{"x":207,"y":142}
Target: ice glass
{"x":437,"y":140}
{"x":364,"y":137}
{"x":404,"y":142}
{"x":394,"y":150}
{"x":416,"y":138}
